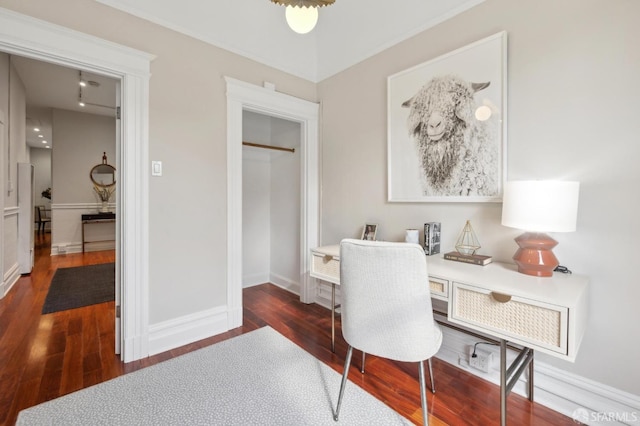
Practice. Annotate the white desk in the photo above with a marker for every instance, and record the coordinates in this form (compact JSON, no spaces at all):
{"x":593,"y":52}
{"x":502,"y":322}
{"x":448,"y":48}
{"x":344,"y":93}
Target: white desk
{"x":543,"y":314}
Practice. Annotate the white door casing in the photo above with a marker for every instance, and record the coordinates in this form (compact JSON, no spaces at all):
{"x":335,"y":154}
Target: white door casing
{"x":244,"y":96}
{"x":32,"y":38}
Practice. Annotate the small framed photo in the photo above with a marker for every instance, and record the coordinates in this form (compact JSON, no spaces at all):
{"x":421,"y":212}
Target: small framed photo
{"x":369,"y":231}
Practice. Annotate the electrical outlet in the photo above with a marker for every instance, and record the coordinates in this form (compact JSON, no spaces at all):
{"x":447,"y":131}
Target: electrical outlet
{"x":482,"y":360}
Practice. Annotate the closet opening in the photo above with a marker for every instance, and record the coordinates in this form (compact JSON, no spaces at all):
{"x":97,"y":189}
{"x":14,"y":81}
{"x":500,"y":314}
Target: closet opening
{"x":271,"y":201}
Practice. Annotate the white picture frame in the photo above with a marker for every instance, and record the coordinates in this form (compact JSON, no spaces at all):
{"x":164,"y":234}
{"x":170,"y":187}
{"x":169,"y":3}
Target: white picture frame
{"x":474,"y":149}
{"x":369,"y":231}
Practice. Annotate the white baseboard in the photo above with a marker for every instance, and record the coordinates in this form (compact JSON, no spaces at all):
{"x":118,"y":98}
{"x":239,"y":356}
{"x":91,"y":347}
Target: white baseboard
{"x":187,"y":329}
{"x":255,"y":279}
{"x":574,"y":396}
{"x":66,"y":248}
{"x":275,"y":279}
{"x":285,"y":283}
{"x":9,"y":279}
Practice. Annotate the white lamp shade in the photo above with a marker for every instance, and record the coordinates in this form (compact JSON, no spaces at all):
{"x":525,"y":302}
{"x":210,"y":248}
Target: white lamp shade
{"x":301,"y":19}
{"x":541,"y":206}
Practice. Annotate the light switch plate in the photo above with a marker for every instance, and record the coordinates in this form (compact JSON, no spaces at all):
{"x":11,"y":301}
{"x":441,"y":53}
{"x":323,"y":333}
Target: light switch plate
{"x":156,"y":168}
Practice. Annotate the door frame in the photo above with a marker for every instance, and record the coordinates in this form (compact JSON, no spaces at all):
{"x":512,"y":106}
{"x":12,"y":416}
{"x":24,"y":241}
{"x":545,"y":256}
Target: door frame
{"x":242,"y":96}
{"x":40,"y":40}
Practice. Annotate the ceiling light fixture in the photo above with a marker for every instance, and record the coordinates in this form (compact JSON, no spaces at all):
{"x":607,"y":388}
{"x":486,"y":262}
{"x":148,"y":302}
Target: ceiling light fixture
{"x":80,"y":101}
{"x":302,"y":15}
{"x":82,"y":83}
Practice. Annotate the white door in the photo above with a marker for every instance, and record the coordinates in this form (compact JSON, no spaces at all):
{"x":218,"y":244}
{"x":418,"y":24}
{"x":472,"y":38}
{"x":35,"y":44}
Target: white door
{"x":25,"y":217}
{"x":118,"y":332}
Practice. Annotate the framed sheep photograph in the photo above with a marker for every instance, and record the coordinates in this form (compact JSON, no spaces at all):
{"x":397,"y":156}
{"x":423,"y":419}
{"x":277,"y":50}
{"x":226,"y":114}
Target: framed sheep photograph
{"x":446,"y":128}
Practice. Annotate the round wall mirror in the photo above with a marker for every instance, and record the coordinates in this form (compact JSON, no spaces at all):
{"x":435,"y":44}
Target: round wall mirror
{"x":103,"y":175}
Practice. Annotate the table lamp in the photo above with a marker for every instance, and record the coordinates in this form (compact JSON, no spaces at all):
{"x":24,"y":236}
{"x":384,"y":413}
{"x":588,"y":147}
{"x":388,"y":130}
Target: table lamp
{"x":539,"y":207}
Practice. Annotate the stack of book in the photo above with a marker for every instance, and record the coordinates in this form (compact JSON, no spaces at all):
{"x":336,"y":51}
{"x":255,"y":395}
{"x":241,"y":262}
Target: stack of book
{"x":474,"y":259}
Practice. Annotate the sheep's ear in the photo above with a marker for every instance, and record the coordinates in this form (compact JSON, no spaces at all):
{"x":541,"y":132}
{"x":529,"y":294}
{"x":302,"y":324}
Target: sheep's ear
{"x":407,"y":103}
{"x":476,"y":87}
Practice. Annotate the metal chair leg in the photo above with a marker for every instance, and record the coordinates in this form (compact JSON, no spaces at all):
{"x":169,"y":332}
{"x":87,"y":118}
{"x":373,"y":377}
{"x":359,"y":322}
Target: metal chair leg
{"x":433,"y":383}
{"x":345,"y":373}
{"x":423,"y":394}
{"x":362,"y":367}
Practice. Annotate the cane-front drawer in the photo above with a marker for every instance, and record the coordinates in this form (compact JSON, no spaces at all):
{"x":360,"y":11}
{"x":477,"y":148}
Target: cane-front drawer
{"x":439,"y":287}
{"x":516,"y":319}
{"x":325,"y":264}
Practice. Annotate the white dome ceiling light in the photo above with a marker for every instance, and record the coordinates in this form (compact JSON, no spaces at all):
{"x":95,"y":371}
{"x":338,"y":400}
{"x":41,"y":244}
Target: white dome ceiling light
{"x":302,"y":15}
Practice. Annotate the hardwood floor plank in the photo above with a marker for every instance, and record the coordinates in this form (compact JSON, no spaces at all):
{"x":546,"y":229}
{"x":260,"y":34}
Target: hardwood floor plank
{"x":46,"y":356}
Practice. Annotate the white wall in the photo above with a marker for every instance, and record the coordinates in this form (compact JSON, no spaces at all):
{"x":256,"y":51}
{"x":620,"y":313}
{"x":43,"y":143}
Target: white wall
{"x":285,"y":206}
{"x":4,"y":137}
{"x":573,"y":93}
{"x":41,"y":160}
{"x":256,"y":217}
{"x":13,"y":151}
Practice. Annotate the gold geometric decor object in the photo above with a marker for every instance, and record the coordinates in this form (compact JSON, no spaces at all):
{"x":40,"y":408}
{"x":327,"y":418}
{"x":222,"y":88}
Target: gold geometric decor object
{"x":467,"y":241}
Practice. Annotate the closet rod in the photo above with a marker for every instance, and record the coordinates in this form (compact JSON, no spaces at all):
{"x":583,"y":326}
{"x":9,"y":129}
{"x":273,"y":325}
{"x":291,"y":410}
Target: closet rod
{"x":278,"y":148}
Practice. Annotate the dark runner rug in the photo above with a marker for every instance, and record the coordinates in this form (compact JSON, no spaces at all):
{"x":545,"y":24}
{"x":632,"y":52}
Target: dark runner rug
{"x":80,"y":286}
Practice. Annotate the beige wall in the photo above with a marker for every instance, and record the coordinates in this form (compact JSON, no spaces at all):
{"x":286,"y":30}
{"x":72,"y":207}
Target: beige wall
{"x":573,"y":93}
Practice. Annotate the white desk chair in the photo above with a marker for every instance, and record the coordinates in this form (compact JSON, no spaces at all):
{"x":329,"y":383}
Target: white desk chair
{"x":386,"y":306}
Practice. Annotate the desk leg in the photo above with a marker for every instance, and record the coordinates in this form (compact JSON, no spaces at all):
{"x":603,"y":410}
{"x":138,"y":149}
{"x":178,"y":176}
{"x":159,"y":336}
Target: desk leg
{"x":333,"y":317}
{"x":503,"y":382}
{"x":509,"y":376}
{"x":531,"y":379}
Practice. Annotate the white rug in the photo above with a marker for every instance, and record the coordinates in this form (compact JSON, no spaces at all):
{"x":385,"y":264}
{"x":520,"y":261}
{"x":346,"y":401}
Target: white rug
{"x":258,"y":378}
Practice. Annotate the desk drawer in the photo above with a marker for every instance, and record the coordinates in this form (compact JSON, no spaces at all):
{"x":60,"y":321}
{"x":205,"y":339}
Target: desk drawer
{"x":520,"y":320}
{"x":439,"y":287}
{"x":325,"y":267}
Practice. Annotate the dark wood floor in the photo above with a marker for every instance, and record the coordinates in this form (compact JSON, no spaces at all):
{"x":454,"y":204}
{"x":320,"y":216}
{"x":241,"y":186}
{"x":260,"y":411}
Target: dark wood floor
{"x":45,"y":356}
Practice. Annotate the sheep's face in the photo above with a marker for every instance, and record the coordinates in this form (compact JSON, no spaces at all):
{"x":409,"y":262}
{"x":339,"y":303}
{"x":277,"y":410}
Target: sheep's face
{"x":440,"y":121}
{"x":443,"y":105}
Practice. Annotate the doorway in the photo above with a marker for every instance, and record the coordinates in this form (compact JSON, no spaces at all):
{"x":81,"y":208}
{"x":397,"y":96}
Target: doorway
{"x":243,"y":97}
{"x":271,"y":172}
{"x":24,"y":36}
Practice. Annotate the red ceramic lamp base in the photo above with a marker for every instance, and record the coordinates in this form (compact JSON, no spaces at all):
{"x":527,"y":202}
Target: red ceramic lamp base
{"x":534,"y":257}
